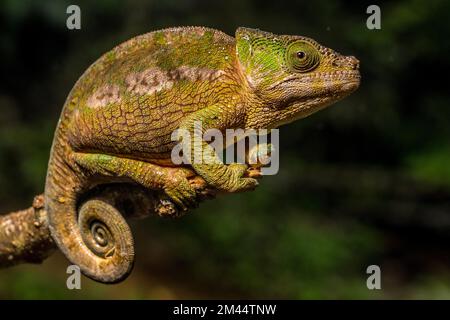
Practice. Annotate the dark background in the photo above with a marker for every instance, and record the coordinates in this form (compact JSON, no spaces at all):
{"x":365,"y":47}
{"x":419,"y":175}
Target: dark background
{"x":364,"y":182}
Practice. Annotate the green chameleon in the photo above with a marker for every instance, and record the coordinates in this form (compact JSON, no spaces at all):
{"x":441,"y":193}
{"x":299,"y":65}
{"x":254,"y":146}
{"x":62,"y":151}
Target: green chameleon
{"x":117,"y":122}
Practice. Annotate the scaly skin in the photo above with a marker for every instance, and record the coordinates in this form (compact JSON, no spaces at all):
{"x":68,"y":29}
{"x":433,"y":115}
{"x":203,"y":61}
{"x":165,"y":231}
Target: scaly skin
{"x":118,"y":119}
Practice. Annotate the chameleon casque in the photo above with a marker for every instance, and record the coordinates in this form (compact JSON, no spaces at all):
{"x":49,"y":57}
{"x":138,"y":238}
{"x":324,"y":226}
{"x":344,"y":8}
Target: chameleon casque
{"x":117,"y":122}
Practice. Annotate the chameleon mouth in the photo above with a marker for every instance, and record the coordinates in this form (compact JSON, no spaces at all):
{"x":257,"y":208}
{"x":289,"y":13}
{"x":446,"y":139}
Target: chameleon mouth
{"x":352,"y":82}
{"x":344,"y":82}
{"x":350,"y":85}
{"x":331,"y":76}
{"x":340,"y":75}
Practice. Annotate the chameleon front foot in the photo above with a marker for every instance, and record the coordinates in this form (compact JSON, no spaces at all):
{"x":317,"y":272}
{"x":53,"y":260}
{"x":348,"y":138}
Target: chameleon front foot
{"x":107,"y":235}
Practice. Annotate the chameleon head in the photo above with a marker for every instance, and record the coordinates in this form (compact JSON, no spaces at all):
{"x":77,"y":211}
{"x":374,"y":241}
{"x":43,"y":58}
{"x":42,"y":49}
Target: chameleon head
{"x":291,"y":76}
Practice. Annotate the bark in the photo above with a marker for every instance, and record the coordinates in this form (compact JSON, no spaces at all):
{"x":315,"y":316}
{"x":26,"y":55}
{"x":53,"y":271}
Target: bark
{"x":25,"y":236}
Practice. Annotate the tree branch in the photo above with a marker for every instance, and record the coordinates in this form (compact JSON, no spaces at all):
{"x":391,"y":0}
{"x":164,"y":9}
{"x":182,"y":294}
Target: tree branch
{"x":25,"y":236}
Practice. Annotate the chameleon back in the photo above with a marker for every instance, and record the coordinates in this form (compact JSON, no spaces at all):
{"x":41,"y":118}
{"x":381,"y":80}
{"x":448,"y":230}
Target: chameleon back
{"x":132,"y":99}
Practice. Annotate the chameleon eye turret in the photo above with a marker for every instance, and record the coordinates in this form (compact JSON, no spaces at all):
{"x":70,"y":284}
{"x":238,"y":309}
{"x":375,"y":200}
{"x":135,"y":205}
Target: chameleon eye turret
{"x":302,"y":57}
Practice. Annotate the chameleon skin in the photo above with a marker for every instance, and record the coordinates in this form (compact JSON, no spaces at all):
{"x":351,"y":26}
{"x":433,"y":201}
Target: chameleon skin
{"x":117,"y":121}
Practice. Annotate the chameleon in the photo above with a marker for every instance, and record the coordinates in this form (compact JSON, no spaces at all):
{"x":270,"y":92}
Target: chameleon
{"x":117,"y":121}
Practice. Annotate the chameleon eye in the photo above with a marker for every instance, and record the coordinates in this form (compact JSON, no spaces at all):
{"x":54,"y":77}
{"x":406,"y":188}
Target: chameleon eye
{"x":302,"y":57}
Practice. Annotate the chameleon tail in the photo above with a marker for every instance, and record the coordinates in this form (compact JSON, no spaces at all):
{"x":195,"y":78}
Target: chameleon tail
{"x":92,"y":234}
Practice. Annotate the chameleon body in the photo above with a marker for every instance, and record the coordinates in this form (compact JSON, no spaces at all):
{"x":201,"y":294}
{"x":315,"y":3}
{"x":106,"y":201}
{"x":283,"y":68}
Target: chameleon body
{"x":117,"y":122}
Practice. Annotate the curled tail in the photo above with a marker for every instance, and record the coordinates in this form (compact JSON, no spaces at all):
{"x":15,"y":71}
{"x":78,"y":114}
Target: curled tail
{"x":91,"y":233}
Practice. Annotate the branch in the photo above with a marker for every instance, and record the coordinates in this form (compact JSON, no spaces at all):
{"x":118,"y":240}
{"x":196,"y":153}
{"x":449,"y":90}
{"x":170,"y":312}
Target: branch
{"x":25,"y":236}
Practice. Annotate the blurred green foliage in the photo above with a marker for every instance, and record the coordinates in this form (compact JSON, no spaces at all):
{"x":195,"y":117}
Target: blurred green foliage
{"x":364,"y":182}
